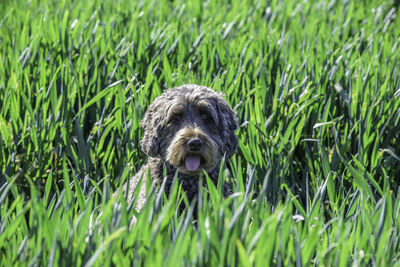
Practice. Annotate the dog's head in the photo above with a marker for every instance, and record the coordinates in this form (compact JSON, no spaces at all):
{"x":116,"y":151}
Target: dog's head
{"x":192,"y":127}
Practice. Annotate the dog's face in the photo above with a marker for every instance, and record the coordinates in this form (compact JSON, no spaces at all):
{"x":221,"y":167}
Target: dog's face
{"x":191,"y":127}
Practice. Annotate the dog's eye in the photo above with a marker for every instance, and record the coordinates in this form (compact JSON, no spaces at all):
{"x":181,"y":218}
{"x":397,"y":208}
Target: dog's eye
{"x":207,"y":117}
{"x":175,"y":119}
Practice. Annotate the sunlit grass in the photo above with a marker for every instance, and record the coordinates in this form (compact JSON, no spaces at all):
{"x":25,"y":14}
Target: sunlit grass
{"x":316,"y":88}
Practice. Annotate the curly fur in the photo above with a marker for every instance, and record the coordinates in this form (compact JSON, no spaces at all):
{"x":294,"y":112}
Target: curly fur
{"x":173,"y":119}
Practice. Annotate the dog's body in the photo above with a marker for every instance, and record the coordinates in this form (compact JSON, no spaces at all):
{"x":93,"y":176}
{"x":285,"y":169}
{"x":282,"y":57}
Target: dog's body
{"x":187,"y":130}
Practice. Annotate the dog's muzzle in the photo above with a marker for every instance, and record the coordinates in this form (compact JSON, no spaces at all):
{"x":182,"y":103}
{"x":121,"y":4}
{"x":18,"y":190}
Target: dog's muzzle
{"x":191,"y":151}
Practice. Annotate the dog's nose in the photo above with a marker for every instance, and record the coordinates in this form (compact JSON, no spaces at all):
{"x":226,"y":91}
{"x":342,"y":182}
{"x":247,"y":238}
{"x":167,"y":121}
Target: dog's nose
{"x":195,"y":144}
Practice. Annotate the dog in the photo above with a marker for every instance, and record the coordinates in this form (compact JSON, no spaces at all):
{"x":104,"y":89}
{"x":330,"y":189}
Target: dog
{"x":188,"y":130}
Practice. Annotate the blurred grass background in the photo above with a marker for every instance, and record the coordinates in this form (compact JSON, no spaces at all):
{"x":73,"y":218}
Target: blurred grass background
{"x":316,"y":88}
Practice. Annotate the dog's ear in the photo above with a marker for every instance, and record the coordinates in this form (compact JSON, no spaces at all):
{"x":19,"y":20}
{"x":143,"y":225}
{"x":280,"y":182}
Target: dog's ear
{"x":151,"y":123}
{"x":228,"y":125}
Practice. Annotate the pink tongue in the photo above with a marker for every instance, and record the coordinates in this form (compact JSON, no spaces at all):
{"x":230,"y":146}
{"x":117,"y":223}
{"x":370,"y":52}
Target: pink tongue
{"x":192,"y":162}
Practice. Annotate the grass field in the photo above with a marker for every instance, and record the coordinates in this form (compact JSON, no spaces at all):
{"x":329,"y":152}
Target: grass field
{"x":316,"y":88}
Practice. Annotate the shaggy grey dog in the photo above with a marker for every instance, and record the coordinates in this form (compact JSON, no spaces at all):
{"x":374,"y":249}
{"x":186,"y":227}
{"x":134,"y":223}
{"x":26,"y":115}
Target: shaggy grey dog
{"x":187,"y":130}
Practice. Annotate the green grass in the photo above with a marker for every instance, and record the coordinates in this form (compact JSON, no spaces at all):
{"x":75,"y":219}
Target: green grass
{"x":316,"y":87}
